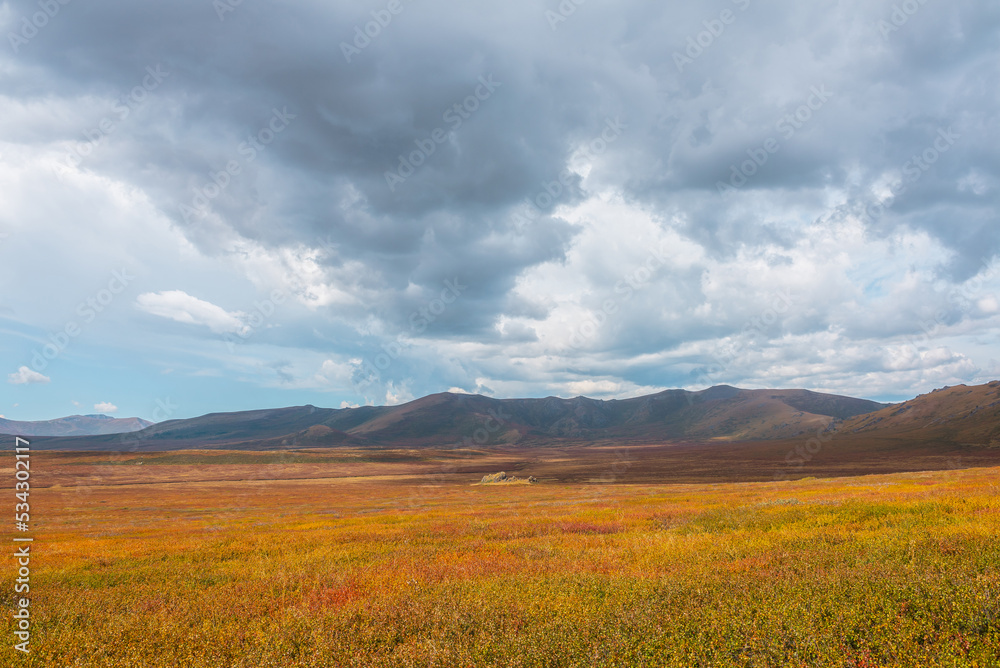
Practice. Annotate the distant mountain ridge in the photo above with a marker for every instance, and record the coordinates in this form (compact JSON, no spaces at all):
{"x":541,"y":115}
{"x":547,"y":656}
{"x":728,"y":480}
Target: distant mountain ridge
{"x":74,"y":425}
{"x":720,"y":413}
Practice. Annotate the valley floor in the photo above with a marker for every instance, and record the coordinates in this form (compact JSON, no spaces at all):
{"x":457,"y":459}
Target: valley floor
{"x":198,"y":562}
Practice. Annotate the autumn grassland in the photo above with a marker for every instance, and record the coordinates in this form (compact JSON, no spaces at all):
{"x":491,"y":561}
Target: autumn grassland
{"x":180,"y":559}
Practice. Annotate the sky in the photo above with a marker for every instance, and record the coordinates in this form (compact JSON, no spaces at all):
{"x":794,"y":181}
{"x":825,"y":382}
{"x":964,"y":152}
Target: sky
{"x":221,"y":205}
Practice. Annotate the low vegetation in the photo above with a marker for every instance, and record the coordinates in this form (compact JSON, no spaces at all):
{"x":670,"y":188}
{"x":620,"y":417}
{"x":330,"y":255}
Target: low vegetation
{"x":894,"y":570}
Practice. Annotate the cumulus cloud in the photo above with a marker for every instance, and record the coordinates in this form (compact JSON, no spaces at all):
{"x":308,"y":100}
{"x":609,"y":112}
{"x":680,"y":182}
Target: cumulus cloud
{"x":397,"y":395}
{"x":179,"y":306}
{"x":105,"y":407}
{"x":26,"y":376}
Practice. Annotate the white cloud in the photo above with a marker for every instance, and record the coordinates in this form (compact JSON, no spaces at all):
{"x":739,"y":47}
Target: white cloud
{"x":182,"y":307}
{"x":397,"y":395}
{"x":105,"y":407}
{"x":988,"y":305}
{"x":26,"y":376}
{"x":593,"y":388}
{"x":333,"y":374}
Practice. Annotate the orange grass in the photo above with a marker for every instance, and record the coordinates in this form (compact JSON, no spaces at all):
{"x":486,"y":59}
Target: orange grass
{"x":893,"y":570}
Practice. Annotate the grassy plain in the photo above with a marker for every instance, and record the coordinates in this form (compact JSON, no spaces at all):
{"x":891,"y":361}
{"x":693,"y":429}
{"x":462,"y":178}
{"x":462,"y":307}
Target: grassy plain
{"x":341,"y":559}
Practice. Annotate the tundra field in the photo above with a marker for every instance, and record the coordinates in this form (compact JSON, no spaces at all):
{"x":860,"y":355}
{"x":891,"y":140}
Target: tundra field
{"x":224,"y":559}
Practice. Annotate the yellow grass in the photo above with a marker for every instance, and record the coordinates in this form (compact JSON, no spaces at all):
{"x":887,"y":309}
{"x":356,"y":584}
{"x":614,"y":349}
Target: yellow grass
{"x":895,"y":570}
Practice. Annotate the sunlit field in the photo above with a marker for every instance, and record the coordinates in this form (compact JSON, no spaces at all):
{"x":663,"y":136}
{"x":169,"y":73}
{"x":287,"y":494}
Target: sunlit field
{"x":384,"y":570}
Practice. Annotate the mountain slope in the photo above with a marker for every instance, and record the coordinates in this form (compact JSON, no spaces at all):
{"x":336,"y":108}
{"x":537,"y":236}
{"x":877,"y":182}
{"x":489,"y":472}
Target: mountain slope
{"x":74,"y":425}
{"x":959,"y":414}
{"x":720,"y":413}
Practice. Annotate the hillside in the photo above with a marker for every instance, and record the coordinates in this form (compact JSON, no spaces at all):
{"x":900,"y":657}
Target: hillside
{"x":959,"y":414}
{"x":718,"y":413}
{"x":721,"y":412}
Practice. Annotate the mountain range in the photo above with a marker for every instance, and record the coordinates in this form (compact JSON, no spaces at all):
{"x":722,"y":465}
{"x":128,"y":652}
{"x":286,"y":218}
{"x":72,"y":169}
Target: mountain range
{"x":74,"y":425}
{"x":957,"y":414}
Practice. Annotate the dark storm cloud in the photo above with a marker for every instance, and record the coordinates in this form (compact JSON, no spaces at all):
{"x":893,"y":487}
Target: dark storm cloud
{"x":355,"y":119}
{"x":414,"y":154}
{"x":325,"y":175}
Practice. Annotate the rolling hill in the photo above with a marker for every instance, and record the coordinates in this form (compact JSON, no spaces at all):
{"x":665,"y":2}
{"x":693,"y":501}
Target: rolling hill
{"x":720,"y":413}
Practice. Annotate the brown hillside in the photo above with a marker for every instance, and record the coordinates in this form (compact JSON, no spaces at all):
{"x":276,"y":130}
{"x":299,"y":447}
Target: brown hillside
{"x":959,"y":414}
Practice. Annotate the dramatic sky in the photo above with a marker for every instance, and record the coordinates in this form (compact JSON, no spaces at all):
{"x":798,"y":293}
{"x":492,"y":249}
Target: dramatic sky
{"x":241,"y":204}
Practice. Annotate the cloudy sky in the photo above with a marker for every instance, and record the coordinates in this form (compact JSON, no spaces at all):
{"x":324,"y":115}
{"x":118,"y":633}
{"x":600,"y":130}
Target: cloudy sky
{"x":233,"y":204}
